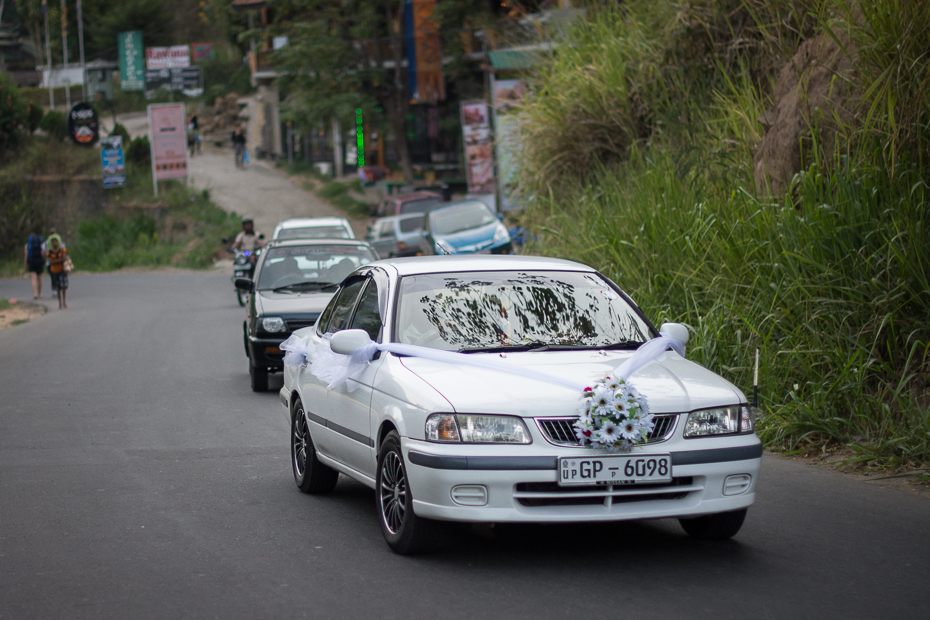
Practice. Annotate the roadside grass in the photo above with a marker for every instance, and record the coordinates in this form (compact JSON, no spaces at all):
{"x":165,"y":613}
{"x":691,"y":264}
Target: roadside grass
{"x":335,"y":193}
{"x":830,"y":281}
{"x":5,"y":304}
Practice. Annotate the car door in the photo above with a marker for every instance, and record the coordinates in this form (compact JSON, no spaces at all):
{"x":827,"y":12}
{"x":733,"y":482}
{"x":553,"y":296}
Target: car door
{"x":386,"y":244}
{"x":349,"y":405}
{"x":315,"y":397}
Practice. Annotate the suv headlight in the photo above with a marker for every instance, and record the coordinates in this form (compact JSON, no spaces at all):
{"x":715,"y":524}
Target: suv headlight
{"x":273,"y":324}
{"x":473,"y":428}
{"x":720,"y":421}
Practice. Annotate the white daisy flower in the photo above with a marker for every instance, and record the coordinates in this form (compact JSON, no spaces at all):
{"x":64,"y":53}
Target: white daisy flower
{"x":646,"y":422}
{"x":621,"y":408}
{"x":613,"y":383}
{"x":629,"y":430}
{"x":609,"y":433}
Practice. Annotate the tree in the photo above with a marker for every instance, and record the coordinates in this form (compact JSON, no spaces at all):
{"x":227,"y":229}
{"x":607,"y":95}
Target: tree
{"x":14,"y":115}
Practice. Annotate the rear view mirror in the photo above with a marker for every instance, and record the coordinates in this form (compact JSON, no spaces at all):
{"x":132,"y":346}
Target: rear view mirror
{"x":349,"y":341}
{"x":244,"y":284}
{"x":676,"y":331}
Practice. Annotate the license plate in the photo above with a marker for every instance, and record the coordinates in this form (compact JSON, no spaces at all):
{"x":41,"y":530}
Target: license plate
{"x":605,"y":470}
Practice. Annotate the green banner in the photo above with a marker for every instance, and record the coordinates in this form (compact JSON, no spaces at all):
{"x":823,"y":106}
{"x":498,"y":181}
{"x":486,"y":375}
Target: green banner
{"x":131,"y":61}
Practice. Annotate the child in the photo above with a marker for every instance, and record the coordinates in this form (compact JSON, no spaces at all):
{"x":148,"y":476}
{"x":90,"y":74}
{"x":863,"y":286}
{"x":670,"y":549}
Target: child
{"x":56,"y":256}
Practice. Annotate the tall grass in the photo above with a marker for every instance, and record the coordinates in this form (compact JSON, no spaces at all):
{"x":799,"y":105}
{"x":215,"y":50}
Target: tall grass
{"x":830,"y":281}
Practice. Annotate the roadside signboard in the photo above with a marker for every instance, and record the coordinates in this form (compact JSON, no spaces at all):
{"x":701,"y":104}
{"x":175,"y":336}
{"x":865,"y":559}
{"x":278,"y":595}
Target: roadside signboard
{"x":114,"y":166}
{"x":131,"y":67}
{"x":176,"y":56}
{"x":203,"y":51}
{"x":168,"y":137}
{"x":61,"y":76}
{"x":82,"y":124}
{"x":187,"y":80}
{"x":479,"y":160}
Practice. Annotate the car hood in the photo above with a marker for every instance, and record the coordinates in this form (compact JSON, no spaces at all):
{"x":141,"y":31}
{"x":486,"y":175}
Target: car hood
{"x":671,"y":384}
{"x":471,"y":240}
{"x":284,"y":304}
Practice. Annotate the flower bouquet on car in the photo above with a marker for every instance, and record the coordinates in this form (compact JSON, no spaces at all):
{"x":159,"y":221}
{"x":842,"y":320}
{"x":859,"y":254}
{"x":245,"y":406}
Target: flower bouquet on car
{"x":614,"y":416}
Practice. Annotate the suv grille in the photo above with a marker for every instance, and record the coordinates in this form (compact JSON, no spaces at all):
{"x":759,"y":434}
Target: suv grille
{"x":561,"y":431}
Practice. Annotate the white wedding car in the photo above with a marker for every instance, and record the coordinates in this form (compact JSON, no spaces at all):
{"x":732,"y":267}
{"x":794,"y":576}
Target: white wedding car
{"x":440,"y":441}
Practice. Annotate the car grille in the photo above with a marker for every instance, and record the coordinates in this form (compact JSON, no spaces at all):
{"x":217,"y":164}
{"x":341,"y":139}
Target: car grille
{"x":295,"y":324}
{"x":541,"y":494}
{"x":561,"y":431}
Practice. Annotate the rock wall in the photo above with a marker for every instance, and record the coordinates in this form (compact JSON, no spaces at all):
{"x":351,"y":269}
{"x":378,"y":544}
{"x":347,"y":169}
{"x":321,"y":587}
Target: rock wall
{"x":816,"y":98}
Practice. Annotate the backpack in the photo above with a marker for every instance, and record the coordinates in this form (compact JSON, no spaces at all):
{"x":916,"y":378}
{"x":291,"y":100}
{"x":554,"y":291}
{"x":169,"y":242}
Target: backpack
{"x":35,"y":249}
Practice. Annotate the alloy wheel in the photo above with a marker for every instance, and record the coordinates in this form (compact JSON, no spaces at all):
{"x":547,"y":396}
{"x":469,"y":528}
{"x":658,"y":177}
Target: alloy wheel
{"x":393,"y":492}
{"x":301,"y":439}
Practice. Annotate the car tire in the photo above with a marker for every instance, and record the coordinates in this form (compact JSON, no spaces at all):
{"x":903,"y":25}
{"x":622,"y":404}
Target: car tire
{"x":311,"y":476}
{"x":241,"y":297}
{"x":258,"y":377}
{"x":404,"y":532}
{"x":714,"y":527}
{"x":245,"y":340}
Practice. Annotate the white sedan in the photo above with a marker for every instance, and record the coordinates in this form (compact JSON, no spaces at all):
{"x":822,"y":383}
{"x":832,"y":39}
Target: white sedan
{"x":450,"y":385}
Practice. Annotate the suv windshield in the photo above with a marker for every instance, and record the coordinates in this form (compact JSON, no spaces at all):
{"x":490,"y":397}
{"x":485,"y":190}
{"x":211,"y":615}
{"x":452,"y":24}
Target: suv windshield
{"x":516,"y":310}
{"x":309,"y":267}
{"x":456,"y":219}
{"x":314,"y":232}
{"x":421,"y":205}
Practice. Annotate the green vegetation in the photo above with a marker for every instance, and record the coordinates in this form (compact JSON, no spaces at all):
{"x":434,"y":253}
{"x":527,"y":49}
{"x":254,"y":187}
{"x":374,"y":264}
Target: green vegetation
{"x":337,"y":194}
{"x":5,"y":304}
{"x":638,"y":150}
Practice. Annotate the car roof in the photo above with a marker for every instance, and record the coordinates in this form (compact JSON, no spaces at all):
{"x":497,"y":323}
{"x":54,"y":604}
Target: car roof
{"x":415,"y":196}
{"x":397,"y":218}
{"x":452,"y":263}
{"x":308,"y":222}
{"x":279,"y":243}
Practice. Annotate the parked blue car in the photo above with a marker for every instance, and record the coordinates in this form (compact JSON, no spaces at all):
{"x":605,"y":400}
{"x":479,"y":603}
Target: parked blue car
{"x":465,"y":228}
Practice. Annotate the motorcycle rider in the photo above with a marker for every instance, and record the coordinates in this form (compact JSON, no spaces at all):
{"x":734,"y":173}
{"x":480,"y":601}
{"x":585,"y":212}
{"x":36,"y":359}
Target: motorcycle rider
{"x":249,"y":239}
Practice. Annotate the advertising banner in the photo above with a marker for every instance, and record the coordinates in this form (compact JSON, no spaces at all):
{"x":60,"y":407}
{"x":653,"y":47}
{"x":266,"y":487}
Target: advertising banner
{"x":131,"y":68}
{"x":173,"y":57}
{"x":82,"y":124}
{"x":476,"y":136}
{"x":188,"y":81}
{"x":114,"y":166}
{"x":168,"y":137}
{"x":59,"y":77}
{"x":203,"y":52}
{"x":509,"y":95}
{"x":424,"y":55}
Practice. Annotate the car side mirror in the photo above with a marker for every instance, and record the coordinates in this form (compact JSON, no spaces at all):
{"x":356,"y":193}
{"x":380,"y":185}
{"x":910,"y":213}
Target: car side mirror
{"x":261,"y":236}
{"x":244,"y":284}
{"x":349,"y":341}
{"x":676,"y":331}
{"x":424,"y":234}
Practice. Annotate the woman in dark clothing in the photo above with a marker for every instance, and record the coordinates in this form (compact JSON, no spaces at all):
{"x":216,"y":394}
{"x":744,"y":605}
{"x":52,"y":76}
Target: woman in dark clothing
{"x":238,"y":142}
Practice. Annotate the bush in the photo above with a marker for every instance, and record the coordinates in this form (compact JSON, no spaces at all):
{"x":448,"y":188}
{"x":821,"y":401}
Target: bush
{"x":14,"y":114}
{"x":55,"y":124}
{"x":36,"y":113}
{"x":139,"y":152}
{"x":119,"y":130}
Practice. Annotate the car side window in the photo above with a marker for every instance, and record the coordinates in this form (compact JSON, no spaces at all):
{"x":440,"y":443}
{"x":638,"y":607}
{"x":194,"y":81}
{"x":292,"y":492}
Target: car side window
{"x":345,"y":302}
{"x":387,"y":229}
{"x":367,"y":316}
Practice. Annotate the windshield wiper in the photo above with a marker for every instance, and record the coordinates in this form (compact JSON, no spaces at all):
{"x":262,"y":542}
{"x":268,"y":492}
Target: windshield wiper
{"x":623,"y":345}
{"x":300,"y":285}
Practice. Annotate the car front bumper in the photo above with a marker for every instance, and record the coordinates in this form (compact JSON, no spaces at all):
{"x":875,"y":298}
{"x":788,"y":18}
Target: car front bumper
{"x":266,"y":352}
{"x":524,"y":488}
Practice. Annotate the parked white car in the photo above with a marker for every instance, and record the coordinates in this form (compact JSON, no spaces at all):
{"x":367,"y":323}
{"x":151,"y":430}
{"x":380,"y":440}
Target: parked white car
{"x":314,"y":228}
{"x":454,"y":441}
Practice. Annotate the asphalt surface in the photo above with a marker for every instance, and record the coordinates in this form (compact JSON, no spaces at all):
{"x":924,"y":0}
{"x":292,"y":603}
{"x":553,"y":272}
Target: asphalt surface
{"x":141,"y":478}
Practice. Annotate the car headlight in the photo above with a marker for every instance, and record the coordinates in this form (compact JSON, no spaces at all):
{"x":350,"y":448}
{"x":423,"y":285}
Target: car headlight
{"x":720,"y":421}
{"x":474,"y":428}
{"x":501,"y":234}
{"x":273,"y":324}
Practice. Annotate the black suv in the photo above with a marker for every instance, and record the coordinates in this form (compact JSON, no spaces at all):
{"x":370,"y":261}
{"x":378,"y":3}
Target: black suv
{"x":293,"y":282}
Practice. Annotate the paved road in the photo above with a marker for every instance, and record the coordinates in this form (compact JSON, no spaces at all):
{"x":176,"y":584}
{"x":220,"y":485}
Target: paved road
{"x":140,"y":478}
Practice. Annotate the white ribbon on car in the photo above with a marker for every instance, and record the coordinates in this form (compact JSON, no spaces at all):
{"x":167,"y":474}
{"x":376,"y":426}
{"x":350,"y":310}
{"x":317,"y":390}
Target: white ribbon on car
{"x":335,"y":369}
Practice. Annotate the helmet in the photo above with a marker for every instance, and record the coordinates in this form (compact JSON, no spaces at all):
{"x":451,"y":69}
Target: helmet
{"x":247,"y":220}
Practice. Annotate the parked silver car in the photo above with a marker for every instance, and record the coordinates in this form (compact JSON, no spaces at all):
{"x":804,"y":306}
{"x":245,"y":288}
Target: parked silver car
{"x":397,"y":236}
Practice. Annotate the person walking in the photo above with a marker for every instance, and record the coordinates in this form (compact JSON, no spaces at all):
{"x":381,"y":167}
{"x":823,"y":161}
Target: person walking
{"x":34,"y":262}
{"x":56,"y":256}
{"x":238,"y":142}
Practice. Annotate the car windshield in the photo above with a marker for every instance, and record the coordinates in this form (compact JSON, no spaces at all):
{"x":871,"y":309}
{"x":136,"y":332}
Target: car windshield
{"x":310,"y":267}
{"x":314,"y":232}
{"x":411,"y":224}
{"x":516,"y":310}
{"x":456,"y":219}
{"x":419,"y":206}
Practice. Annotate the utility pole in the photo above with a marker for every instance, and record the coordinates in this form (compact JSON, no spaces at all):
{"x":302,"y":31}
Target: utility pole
{"x":80,"y":21}
{"x":48,"y":57}
{"x":64,"y":49}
